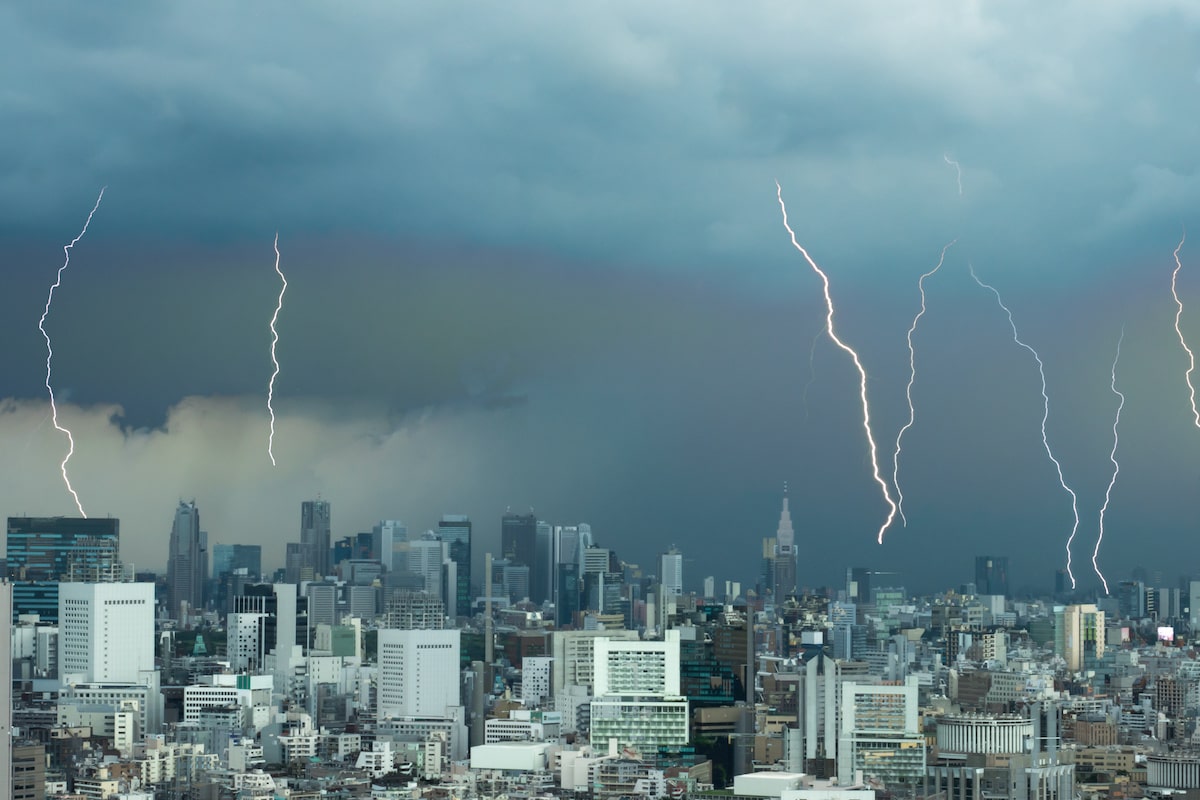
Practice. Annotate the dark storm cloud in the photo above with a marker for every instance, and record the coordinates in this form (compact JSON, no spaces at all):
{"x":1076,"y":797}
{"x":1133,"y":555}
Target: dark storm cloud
{"x":538,"y":247}
{"x":615,"y":131}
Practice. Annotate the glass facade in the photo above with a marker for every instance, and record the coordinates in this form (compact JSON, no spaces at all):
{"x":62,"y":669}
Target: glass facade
{"x":42,"y":551}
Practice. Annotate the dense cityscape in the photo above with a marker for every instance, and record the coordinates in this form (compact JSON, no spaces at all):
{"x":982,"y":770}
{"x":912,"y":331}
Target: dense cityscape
{"x":384,"y":665}
{"x":673,"y":400}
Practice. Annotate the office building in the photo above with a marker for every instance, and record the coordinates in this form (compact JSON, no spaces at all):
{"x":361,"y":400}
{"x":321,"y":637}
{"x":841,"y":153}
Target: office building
{"x":227,"y":558}
{"x":455,"y":532}
{"x":991,"y":575}
{"x":41,"y":551}
{"x":425,"y":558}
{"x":785,"y":554}
{"x":518,"y":539}
{"x":541,"y":576}
{"x":418,"y":673}
{"x":389,"y":544}
{"x":637,"y":695}
{"x":322,"y":604}
{"x":315,"y":535}
{"x":858,"y":585}
{"x":6,"y":707}
{"x":106,"y":632}
{"x":1079,"y":635}
{"x":187,"y":563}
{"x":671,"y":571}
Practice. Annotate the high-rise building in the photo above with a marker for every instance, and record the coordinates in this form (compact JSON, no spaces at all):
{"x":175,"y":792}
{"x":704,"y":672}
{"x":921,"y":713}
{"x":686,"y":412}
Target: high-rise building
{"x":1079,"y":635}
{"x":858,"y":585}
{"x":541,"y":575}
{"x":991,"y":575}
{"x":637,"y":695}
{"x":418,"y":673}
{"x":6,"y":707}
{"x":322,"y":604}
{"x":671,"y":571}
{"x":315,"y":536}
{"x":518,"y":539}
{"x":43,"y":551}
{"x":187,"y":562}
{"x":232,"y":557}
{"x":879,"y":735}
{"x":106,"y":632}
{"x":284,"y":622}
{"x":389,"y":543}
{"x":425,"y":557}
{"x":785,"y":553}
{"x":455,"y":531}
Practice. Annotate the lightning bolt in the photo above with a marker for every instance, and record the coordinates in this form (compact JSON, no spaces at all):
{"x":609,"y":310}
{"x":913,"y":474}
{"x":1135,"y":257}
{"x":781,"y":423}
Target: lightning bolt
{"x":1045,"y":417}
{"x":1111,"y":457}
{"x":957,"y":170}
{"x":1179,"y":313}
{"x":912,"y":377}
{"x":50,"y":352}
{"x":274,"y":360}
{"x":862,"y":373}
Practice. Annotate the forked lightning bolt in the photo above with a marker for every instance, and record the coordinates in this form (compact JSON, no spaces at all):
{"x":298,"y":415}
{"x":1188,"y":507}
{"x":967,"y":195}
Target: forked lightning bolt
{"x":1113,"y":458}
{"x":1179,"y":313}
{"x":50,"y":352}
{"x":912,"y":377}
{"x":862,"y":373}
{"x":274,"y":360}
{"x":957,"y":170}
{"x":1045,"y":416}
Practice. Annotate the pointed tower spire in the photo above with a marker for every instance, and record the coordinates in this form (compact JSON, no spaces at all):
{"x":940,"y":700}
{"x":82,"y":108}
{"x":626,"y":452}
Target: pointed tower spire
{"x":785,"y":537}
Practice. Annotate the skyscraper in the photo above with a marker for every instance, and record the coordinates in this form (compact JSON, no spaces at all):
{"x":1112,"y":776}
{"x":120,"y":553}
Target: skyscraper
{"x":785,"y":553}
{"x":187,"y":561}
{"x":43,"y":550}
{"x":518,"y":539}
{"x":671,"y":573}
{"x":541,"y":576}
{"x":315,"y":536}
{"x":230,"y":557}
{"x":389,"y":542}
{"x":455,"y":531}
{"x":991,"y":575}
{"x":6,"y":737}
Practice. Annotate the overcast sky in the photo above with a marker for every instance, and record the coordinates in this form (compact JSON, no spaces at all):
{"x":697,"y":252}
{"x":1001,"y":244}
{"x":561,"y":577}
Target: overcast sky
{"x":535,"y":259}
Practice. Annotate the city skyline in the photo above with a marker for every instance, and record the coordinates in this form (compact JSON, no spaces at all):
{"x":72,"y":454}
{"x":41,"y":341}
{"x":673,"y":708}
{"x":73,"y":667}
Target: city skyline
{"x":551,"y":273}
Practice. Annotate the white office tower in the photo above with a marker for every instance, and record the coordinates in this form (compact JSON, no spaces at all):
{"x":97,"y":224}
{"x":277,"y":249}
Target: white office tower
{"x":389,"y":540}
{"x":106,"y":632}
{"x":418,"y":673}
{"x":6,"y":765}
{"x":671,"y":572}
{"x":637,"y":700}
{"x":425,"y":557}
{"x":880,"y":736}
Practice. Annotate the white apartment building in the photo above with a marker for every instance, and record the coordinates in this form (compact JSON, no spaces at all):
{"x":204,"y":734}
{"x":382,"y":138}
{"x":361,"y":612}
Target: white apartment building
{"x":637,"y":700}
{"x":880,"y":735}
